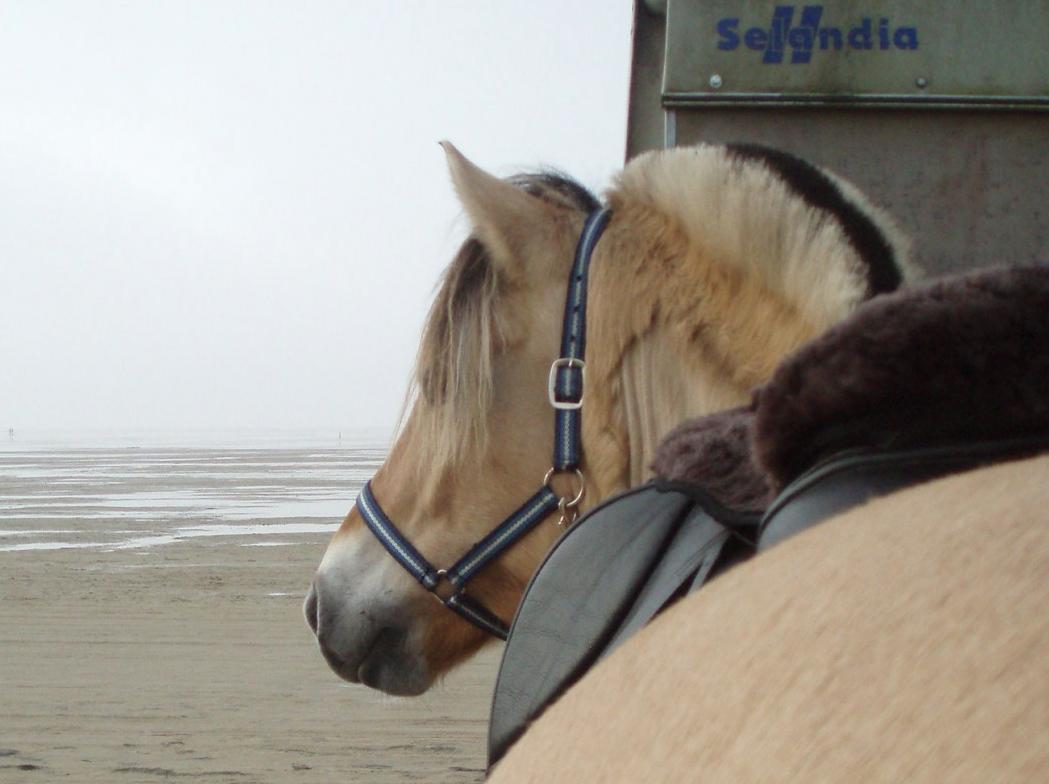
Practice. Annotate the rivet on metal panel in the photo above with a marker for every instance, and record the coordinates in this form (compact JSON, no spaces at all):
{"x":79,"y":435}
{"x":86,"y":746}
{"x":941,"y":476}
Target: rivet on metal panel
{"x":922,"y":82}
{"x":715,"y":81}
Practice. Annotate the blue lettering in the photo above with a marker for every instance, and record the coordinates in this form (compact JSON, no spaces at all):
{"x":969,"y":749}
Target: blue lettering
{"x":729,"y":37}
{"x":810,"y":23}
{"x":860,"y":36}
{"x":803,"y":39}
{"x":781,"y":18}
{"x":755,"y":38}
{"x":800,"y":38}
{"x":830,"y":38}
{"x":906,"y":38}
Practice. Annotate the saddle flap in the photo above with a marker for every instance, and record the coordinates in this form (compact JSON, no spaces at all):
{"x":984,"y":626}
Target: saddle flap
{"x":687,"y":561}
{"x":576,"y":600}
{"x":605,"y":579}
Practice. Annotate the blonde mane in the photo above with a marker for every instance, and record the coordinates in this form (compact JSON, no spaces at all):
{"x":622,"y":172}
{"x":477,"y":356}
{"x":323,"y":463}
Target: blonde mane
{"x":739,"y":210}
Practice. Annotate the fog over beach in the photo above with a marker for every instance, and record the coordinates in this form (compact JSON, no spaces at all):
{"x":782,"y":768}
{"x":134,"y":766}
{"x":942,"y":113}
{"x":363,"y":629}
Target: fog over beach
{"x":150,"y":607}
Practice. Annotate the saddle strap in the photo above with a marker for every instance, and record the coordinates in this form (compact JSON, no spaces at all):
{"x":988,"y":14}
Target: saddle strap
{"x":854,"y":477}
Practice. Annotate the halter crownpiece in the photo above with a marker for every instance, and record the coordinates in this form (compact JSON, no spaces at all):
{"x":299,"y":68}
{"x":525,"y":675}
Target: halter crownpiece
{"x":565,"y":389}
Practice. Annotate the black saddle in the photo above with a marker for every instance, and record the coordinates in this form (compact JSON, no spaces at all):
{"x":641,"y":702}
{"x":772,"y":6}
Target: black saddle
{"x":928,"y":383}
{"x":630,"y":558}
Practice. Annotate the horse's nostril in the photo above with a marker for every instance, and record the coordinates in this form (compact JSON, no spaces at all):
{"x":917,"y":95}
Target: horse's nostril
{"x":311,"y":609}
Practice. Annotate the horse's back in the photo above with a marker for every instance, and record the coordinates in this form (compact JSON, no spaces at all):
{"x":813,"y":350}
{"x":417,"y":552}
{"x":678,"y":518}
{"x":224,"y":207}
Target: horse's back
{"x":907,"y":639}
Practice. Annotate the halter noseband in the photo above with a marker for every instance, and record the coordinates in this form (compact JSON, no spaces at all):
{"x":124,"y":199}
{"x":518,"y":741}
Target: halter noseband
{"x":565,"y":387}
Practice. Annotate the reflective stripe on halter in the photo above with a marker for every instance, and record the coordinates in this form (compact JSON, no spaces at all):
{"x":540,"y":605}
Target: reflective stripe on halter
{"x":566,"y":383}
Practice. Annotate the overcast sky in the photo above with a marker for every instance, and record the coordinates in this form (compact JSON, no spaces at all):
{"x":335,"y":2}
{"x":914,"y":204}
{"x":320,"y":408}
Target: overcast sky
{"x":233,"y":214}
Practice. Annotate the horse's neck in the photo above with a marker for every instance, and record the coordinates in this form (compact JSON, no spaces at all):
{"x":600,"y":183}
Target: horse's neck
{"x":688,"y":336}
{"x":661,"y":386}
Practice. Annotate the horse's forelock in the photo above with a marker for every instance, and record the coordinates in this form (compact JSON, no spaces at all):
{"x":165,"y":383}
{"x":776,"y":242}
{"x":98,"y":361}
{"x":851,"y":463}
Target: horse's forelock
{"x":453,"y":375}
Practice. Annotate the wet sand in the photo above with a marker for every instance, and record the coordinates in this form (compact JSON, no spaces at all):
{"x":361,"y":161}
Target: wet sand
{"x":192,"y":661}
{"x":177,"y":663}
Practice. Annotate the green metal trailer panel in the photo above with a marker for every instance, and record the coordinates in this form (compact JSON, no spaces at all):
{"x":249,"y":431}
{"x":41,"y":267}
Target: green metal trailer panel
{"x":965,"y":53}
{"x":939,"y":110}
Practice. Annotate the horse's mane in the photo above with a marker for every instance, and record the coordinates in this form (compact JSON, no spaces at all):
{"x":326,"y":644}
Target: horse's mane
{"x":795,"y":229}
{"x":453,"y":370}
{"x":801,"y":231}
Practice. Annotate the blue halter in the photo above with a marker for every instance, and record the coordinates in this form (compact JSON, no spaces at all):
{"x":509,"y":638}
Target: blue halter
{"x":565,"y":385}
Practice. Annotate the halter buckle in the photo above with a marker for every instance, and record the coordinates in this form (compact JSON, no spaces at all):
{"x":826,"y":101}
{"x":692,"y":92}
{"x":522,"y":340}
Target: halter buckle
{"x":551,"y":387}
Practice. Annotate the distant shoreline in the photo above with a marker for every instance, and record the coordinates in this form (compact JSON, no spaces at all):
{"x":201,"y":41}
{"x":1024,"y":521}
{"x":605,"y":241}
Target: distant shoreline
{"x":233,"y":438}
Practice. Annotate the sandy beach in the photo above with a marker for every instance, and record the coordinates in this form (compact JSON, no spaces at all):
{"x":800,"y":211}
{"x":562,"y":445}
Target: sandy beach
{"x":190,"y":659}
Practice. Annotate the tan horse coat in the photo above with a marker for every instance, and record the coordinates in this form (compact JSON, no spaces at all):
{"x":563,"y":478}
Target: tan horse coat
{"x":906,"y":640}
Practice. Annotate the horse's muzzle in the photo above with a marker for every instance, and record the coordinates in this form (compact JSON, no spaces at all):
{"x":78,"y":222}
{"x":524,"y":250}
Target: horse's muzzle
{"x":360,"y":650}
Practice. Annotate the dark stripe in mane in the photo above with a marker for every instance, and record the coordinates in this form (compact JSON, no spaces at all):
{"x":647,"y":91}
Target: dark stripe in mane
{"x":553,"y":186}
{"x":818,"y":190}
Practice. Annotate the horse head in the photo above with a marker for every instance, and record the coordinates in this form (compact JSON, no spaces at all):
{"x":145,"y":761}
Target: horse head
{"x":717,"y":262}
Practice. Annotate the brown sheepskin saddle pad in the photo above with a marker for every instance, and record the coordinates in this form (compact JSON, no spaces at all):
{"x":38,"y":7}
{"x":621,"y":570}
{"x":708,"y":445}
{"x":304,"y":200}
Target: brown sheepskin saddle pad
{"x":915,"y":385}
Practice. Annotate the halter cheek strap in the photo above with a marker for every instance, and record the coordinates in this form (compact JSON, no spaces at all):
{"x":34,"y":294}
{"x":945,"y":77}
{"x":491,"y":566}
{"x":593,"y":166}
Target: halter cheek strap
{"x":565,"y":388}
{"x":568,"y":372}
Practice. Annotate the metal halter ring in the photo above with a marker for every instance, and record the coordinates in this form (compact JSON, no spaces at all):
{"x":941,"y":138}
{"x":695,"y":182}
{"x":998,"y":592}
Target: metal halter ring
{"x":582,"y":486}
{"x":442,"y":576}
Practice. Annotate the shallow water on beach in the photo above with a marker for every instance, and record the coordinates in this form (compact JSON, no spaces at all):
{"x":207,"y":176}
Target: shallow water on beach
{"x":151,"y":597}
{"x":142,"y":490}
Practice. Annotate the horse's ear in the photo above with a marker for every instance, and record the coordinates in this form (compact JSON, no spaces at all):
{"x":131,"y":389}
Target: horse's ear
{"x":507,"y":221}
